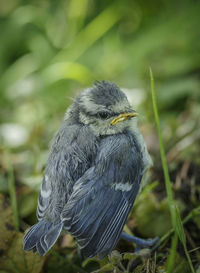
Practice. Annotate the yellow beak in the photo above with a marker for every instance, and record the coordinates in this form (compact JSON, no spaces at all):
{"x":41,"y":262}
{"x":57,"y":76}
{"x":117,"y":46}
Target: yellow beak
{"x":123,"y":117}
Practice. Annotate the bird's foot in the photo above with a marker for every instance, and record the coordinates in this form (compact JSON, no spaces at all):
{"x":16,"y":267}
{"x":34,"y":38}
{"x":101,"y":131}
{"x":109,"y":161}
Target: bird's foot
{"x":140,"y":244}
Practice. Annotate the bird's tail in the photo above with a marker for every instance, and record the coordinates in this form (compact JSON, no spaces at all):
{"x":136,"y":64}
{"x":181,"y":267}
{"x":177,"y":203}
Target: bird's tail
{"x":42,"y":236}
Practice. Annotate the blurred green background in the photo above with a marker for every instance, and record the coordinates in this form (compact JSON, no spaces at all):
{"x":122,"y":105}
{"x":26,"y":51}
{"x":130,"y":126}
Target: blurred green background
{"x":51,"y":50}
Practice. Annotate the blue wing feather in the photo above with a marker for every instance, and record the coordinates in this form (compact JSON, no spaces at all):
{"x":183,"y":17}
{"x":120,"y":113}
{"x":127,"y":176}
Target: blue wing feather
{"x":102,"y":198}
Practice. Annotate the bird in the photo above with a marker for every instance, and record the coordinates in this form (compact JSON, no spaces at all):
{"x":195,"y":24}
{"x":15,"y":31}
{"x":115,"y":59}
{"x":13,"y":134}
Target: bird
{"x":93,"y":174}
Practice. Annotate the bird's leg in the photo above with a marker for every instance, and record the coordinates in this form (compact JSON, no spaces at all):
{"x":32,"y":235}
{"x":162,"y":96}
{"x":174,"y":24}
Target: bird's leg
{"x":140,"y":243}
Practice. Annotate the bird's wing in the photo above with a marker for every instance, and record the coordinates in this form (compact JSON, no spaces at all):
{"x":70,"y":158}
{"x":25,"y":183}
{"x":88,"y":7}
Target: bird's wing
{"x":70,"y":156}
{"x":102,"y":198}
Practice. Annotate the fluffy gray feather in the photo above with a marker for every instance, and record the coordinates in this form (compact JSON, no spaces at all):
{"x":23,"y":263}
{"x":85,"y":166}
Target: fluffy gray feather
{"x":92,"y":175}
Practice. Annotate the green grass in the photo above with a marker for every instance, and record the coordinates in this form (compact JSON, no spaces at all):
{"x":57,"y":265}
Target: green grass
{"x":175,"y":215}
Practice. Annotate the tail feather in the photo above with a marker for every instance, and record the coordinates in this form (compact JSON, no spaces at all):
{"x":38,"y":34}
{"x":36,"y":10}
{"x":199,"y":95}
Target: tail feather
{"x":42,"y":236}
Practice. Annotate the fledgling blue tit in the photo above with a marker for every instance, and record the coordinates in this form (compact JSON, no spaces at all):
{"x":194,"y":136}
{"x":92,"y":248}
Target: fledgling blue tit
{"x":93,"y":173}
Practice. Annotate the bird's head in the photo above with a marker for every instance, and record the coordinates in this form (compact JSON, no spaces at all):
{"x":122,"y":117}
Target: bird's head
{"x":105,"y":108}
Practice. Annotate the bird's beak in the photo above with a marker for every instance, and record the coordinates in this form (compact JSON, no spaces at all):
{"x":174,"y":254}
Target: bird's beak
{"x":122,"y":117}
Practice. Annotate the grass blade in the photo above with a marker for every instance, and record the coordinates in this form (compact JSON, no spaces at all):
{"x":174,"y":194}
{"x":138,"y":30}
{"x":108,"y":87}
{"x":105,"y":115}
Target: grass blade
{"x":182,"y":237}
{"x":175,"y":215}
{"x":90,"y":34}
{"x":179,"y":227}
{"x":171,"y":257}
{"x":162,"y":153}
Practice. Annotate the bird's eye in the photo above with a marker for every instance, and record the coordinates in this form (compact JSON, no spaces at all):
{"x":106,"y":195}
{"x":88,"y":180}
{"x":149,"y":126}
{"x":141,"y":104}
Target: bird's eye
{"x":103,"y":115}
